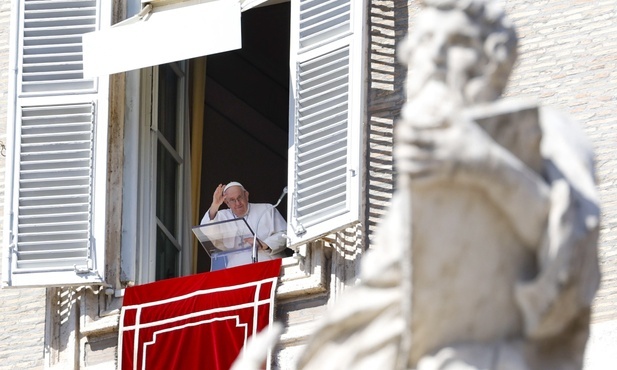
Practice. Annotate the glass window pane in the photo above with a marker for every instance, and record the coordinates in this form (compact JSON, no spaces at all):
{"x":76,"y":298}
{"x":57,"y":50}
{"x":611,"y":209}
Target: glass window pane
{"x":167,"y":189}
{"x":168,"y":104}
{"x":166,"y":257}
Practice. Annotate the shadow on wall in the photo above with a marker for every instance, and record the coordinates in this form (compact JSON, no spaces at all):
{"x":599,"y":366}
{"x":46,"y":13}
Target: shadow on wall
{"x":386,"y":96}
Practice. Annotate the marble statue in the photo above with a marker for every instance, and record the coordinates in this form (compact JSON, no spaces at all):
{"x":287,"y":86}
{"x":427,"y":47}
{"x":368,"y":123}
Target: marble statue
{"x":499,"y":266}
{"x":487,"y":258}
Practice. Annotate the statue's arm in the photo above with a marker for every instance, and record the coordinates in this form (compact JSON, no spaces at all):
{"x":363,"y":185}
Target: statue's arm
{"x":463,"y":153}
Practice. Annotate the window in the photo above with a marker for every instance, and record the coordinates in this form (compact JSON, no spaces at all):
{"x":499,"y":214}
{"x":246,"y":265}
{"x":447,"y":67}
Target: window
{"x":308,"y":121}
{"x":169,"y":171}
{"x":163,"y":175}
{"x":322,"y":123}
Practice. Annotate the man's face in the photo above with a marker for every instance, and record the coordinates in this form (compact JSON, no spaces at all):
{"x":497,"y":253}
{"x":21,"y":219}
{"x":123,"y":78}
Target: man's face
{"x":237,"y":200}
{"x":447,"y":51}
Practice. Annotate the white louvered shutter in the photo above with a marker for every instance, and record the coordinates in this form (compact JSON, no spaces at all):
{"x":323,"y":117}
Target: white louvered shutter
{"x":57,"y":145}
{"x":326,"y":116}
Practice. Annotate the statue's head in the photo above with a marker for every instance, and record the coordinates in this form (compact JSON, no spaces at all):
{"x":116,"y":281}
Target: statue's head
{"x":467,"y":45}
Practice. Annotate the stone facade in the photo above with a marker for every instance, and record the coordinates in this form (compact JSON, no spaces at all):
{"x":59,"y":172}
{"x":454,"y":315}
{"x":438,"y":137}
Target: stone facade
{"x":568,"y":59}
{"x":22,"y":330}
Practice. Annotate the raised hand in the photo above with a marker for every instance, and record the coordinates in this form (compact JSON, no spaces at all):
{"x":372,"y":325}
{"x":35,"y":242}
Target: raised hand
{"x":217,"y":197}
{"x":217,"y":200}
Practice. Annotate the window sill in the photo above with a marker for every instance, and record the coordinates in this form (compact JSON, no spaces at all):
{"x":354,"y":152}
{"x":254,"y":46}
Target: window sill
{"x":303,"y":275}
{"x":103,"y":325}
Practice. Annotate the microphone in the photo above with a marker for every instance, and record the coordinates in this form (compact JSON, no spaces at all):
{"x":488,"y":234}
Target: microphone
{"x":281,"y":197}
{"x":254,"y":249}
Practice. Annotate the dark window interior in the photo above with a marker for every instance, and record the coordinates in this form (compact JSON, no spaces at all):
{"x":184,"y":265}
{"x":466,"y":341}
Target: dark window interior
{"x":246,"y":122}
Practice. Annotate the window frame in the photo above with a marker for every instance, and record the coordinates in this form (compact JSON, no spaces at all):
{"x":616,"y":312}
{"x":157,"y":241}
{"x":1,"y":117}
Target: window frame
{"x":145,"y":207}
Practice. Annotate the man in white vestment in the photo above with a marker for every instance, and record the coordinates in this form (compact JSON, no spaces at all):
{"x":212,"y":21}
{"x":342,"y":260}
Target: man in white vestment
{"x":264,"y":220}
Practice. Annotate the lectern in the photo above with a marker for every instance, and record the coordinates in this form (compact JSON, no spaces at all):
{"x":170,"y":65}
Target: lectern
{"x":229,"y":243}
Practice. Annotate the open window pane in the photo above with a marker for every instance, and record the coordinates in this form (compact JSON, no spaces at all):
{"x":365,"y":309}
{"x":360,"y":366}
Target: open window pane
{"x":166,"y":132}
